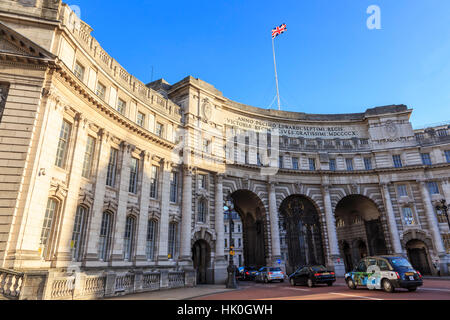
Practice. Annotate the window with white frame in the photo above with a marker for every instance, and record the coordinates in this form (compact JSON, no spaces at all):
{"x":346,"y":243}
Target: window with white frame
{"x":129,"y":238}
{"x":349,"y":164}
{"x":78,"y":233}
{"x":79,"y":71}
{"x":134,"y":175}
{"x":48,"y":226}
{"x":63,"y":144}
{"x":333,"y":165}
{"x":121,"y":106}
{"x":447,"y":155}
{"x":173,"y":186}
{"x":105,"y":236}
{"x":154,"y":182}
{"x":172,"y":243}
{"x":312,"y":164}
{"x":112,"y":168}
{"x":295,"y":163}
{"x":88,"y":158}
{"x":140,"y":119}
{"x":159,"y":131}
{"x":151,"y":239}
{"x":368,"y":163}
{"x":202,"y":210}
{"x":397,"y":160}
{"x":408,"y":216}
{"x":100,"y":90}
{"x":401,"y":190}
{"x":433,"y":187}
{"x":426,"y":159}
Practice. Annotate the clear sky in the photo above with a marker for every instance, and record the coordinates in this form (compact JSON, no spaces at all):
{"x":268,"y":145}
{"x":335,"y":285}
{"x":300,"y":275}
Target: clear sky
{"x":328,"y":60}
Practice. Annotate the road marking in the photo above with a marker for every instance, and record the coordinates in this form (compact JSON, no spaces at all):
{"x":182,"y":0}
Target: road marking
{"x":434,"y":289}
{"x":298,"y":289}
{"x":353,"y":296}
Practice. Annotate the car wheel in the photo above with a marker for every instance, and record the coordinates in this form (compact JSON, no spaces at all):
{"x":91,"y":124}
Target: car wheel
{"x":351,"y":284}
{"x":266,"y":280}
{"x":412,"y":289}
{"x":387,"y":286}
{"x":292,"y":281}
{"x":310,"y":283}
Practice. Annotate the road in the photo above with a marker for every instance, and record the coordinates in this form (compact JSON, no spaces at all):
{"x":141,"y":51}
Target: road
{"x":432,"y":290}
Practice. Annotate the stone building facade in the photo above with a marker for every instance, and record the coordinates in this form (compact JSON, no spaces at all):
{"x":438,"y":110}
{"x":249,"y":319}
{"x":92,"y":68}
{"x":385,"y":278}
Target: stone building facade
{"x":110,"y":186}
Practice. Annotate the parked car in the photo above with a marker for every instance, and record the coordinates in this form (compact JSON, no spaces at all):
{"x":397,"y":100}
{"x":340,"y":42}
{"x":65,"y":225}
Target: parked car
{"x":384,"y":272}
{"x":269,"y":274}
{"x":247,"y":273}
{"x":312,"y":275}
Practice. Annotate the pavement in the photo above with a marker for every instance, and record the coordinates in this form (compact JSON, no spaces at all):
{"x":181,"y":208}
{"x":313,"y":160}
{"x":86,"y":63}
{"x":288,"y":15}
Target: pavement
{"x":177,"y":294}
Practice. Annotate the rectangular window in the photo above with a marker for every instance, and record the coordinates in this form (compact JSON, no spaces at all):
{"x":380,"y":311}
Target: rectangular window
{"x":151,"y":240}
{"x":105,"y":236}
{"x":401,"y":190}
{"x":121,"y":106}
{"x":426,"y":159}
{"x":332,"y":164}
{"x":280,"y":162}
{"x":172,"y":244}
{"x":78,"y":233}
{"x":246,"y":157}
{"x":408,"y":216}
{"x":88,"y":158}
{"x":134,"y":169}
{"x":397,"y":161}
{"x":312,"y":164}
{"x":349,"y":163}
{"x":159,"y":130}
{"x":100,"y":91}
{"x":295,"y":162}
{"x":112,"y":168}
{"x":206,"y":146}
{"x":128,"y":239}
{"x":433,"y":187}
{"x":202,"y":179}
{"x":368,"y":163}
{"x":154,"y":182}
{"x":63,"y":144}
{"x":447,"y":155}
{"x":79,"y":71}
{"x":50,"y":213}
{"x":140,"y":119}
{"x":258,"y":159}
{"x":173,"y":187}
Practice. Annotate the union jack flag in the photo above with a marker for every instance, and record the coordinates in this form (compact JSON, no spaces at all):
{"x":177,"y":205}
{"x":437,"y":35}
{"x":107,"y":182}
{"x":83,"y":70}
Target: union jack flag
{"x":279,"y":30}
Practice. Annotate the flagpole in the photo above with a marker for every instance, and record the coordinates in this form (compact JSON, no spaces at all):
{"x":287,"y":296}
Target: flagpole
{"x":276,"y":74}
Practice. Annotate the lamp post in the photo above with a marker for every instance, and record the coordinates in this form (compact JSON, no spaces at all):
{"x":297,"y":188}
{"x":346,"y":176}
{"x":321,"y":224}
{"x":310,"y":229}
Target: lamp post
{"x":231,"y":280}
{"x":442,"y":209}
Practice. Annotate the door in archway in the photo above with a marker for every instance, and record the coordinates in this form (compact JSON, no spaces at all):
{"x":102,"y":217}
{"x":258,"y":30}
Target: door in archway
{"x":201,"y":256}
{"x":418,"y":256}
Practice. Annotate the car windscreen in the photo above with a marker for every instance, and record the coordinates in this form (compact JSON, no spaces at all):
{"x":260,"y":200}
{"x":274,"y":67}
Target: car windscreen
{"x":275,"y":269}
{"x":318,"y":268}
{"x":400,"y":263}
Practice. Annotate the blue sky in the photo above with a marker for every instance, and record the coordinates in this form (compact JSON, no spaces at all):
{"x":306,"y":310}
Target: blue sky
{"x":328,"y":61}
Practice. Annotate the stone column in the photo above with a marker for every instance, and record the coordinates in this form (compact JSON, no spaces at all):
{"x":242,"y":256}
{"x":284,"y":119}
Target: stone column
{"x":186,"y":216}
{"x":274,"y":223}
{"x":446,"y":189}
{"x":395,"y":236}
{"x":93,"y":234}
{"x":75,"y":167}
{"x":434,"y":227}
{"x":141,"y":239}
{"x":220,"y":270}
{"x":165,"y":205}
{"x":121,"y":214}
{"x":334,"y":258}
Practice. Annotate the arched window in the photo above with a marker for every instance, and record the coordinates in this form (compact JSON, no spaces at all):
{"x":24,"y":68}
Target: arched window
{"x":79,"y":231}
{"x":151,"y":239}
{"x":202,"y":210}
{"x":47,"y":227}
{"x":172,"y":245}
{"x":128,"y":242}
{"x":105,"y":236}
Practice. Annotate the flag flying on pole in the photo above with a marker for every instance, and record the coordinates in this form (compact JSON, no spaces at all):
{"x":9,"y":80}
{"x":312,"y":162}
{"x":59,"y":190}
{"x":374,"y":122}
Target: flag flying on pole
{"x":279,"y":30}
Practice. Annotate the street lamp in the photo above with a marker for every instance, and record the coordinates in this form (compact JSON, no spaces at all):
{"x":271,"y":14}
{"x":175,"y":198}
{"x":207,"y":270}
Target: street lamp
{"x":442,"y":209}
{"x":231,"y":280}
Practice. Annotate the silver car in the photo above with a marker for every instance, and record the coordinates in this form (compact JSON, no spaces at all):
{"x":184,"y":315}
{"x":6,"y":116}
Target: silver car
{"x":269,"y":274}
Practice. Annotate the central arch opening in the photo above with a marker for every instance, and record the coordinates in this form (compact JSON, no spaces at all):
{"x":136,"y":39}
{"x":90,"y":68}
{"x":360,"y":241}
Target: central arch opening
{"x":253,"y":216}
{"x":359,"y":229}
{"x":301,"y":224}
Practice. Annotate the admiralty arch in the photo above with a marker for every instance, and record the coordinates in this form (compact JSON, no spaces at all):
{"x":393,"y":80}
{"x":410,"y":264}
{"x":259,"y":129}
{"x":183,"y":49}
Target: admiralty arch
{"x":111,"y":186}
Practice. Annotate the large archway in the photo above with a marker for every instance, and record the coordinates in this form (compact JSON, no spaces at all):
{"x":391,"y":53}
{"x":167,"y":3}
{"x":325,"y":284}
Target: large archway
{"x":359,"y":229}
{"x":300,"y":221}
{"x":201,"y":257}
{"x":418,"y":256}
{"x":254,"y":230}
